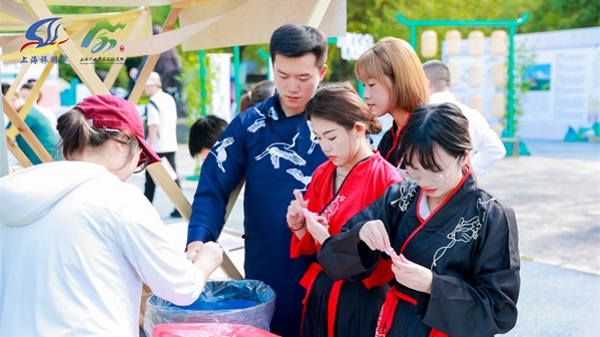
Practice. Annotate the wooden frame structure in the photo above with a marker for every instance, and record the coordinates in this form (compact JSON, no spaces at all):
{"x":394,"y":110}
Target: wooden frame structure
{"x":319,"y":11}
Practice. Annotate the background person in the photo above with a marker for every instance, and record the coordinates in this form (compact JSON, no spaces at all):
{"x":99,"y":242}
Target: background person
{"x":352,"y":178}
{"x":261,"y":91}
{"x":204,"y":133}
{"x":454,"y":246}
{"x":394,"y":83}
{"x":76,"y":241}
{"x":161,"y":119}
{"x":265,"y":144}
{"x":487,"y":148}
{"x":25,"y":91}
{"x":39,"y":125}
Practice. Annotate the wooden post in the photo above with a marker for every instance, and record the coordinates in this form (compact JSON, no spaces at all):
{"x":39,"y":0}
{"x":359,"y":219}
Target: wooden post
{"x":35,"y":91}
{"x":164,"y":180}
{"x":158,"y":172}
{"x":318,"y":12}
{"x":25,"y":131}
{"x":13,"y":88}
{"x":140,"y":83}
{"x":16,"y":151}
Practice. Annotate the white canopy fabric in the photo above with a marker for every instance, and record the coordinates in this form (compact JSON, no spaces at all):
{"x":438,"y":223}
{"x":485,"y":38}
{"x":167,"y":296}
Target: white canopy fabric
{"x":205,"y":24}
{"x":253,"y":21}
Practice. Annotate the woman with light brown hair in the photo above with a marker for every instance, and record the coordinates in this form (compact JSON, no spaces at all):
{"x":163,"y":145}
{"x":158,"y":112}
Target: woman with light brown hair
{"x":395,"y":83}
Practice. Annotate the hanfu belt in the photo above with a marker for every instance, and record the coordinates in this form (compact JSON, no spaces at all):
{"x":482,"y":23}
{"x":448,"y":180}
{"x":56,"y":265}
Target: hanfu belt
{"x":386,"y":315}
{"x":307,"y":282}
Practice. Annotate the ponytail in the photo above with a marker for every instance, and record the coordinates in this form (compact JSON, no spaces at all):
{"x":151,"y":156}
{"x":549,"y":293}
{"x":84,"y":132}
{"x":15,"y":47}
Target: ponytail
{"x":74,"y":132}
{"x":77,"y":135}
{"x":374,"y":126}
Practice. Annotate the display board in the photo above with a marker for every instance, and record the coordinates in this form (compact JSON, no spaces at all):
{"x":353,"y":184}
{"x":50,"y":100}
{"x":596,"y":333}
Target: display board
{"x":564,"y":78}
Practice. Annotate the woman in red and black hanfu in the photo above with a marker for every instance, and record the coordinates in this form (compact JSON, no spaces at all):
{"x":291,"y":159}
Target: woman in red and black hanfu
{"x":354,"y":177}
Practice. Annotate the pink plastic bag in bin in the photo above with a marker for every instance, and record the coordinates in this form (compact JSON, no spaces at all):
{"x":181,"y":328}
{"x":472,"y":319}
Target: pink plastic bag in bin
{"x":208,"y":330}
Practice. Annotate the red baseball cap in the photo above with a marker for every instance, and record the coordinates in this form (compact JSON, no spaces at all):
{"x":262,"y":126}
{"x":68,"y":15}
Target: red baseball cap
{"x":112,"y":112}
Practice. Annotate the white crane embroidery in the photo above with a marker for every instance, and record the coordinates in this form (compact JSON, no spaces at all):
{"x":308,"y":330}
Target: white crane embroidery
{"x":258,"y":123}
{"x":465,"y":231}
{"x":280,"y":150}
{"x":296,"y":173}
{"x":313,"y":138}
{"x":221,"y":154}
{"x":273,"y":114}
{"x":261,"y":121}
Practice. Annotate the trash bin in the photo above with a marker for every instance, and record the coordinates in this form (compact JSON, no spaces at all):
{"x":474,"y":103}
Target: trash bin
{"x":208,"y":330}
{"x":246,"y":302}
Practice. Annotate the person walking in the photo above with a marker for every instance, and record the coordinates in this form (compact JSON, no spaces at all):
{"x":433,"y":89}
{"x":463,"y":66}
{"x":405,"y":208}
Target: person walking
{"x":161,"y":121}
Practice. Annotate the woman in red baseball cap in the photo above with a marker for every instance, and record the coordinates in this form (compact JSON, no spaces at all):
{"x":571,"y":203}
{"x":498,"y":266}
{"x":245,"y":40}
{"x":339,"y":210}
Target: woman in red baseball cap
{"x":76,"y":241}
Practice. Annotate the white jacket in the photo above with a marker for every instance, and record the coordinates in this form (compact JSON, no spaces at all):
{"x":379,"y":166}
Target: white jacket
{"x":76,"y":244}
{"x":488,"y":149}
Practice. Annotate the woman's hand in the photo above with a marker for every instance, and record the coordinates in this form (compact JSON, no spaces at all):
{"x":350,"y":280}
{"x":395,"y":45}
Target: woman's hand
{"x":209,"y":257}
{"x":192,"y":249}
{"x":317,"y":226}
{"x":411,"y":275}
{"x":295,"y":217}
{"x":374,"y":234}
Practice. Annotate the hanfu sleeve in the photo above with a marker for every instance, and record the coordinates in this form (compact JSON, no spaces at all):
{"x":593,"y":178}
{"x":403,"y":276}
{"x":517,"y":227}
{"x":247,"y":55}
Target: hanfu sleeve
{"x":221,"y":173}
{"x":486,"y":304}
{"x":345,"y":256}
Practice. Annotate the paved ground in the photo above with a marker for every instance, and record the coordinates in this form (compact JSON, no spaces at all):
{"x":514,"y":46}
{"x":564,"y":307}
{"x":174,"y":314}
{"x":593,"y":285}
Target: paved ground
{"x":557,"y":207}
{"x":556,"y":196}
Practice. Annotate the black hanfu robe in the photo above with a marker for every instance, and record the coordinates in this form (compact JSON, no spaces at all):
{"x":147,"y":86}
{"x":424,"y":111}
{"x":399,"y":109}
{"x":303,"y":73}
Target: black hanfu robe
{"x":469,"y":242}
{"x":389,"y":146}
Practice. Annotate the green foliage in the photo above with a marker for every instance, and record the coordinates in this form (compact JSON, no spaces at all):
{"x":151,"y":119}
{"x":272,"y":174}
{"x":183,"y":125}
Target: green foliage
{"x":377,"y":17}
{"x":523,"y":60}
{"x":564,"y":14}
{"x":191,"y":86}
{"x":250,"y":52}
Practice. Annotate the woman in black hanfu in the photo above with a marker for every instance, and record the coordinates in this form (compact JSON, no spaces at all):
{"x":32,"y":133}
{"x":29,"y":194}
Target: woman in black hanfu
{"x":454,"y":247}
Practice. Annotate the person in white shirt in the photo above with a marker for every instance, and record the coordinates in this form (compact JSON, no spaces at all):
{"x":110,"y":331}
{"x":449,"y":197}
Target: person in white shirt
{"x":77,"y":241}
{"x":488,"y":149}
{"x":161,"y":119}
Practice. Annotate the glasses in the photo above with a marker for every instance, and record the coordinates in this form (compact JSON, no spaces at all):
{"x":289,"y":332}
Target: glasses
{"x":142,"y":163}
{"x":437,"y":179}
